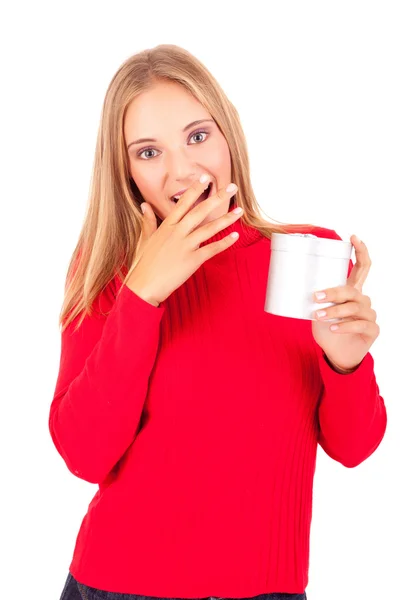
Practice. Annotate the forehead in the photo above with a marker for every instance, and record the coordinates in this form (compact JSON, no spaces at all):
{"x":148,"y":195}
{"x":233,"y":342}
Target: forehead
{"x":165,"y":104}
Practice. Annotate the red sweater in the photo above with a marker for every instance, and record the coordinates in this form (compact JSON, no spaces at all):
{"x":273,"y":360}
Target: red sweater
{"x":199,"y":420}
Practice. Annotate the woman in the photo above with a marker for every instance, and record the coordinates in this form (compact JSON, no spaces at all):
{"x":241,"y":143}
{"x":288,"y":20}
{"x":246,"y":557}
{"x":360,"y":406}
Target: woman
{"x":197,"y":413}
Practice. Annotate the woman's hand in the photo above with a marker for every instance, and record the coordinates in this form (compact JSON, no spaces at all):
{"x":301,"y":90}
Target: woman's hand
{"x":346,"y":346}
{"x":169,"y":254}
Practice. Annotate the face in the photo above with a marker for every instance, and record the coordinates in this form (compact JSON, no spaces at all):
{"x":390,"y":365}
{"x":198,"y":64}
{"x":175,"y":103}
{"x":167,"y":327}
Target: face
{"x":178,"y":154}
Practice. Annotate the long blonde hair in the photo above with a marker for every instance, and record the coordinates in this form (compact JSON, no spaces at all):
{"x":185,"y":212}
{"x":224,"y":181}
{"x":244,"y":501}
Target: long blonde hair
{"x":112,"y":225}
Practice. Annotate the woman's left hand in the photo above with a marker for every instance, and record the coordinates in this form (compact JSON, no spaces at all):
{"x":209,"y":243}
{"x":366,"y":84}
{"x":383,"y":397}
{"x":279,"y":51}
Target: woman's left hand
{"x":357,"y":330}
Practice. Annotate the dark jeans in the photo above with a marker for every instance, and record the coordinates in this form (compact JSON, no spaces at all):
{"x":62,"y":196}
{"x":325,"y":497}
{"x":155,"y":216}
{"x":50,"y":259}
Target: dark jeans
{"x":73,"y":590}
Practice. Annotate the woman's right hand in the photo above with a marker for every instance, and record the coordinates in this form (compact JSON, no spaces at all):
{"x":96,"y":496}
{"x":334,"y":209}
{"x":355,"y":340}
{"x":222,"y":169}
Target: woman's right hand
{"x":168,"y":255}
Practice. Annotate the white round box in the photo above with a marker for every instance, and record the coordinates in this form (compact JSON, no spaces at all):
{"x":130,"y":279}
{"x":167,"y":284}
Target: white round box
{"x":300,"y":265}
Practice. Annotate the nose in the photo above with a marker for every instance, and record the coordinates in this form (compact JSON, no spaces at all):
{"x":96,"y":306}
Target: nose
{"x":180,"y":168}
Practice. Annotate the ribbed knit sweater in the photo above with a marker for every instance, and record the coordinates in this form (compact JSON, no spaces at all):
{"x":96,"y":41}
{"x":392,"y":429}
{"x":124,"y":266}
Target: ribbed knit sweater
{"x":200,"y":420}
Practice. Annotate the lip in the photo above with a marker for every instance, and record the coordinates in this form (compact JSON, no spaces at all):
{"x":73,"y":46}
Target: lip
{"x":184,"y":190}
{"x":180,"y":192}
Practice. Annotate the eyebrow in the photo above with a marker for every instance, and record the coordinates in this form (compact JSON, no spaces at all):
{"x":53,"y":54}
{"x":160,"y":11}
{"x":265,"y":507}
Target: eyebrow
{"x":142,"y":140}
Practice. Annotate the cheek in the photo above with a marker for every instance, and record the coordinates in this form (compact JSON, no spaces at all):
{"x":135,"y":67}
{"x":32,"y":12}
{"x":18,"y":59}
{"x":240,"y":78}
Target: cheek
{"x":217,"y":158}
{"x":146,"y":186}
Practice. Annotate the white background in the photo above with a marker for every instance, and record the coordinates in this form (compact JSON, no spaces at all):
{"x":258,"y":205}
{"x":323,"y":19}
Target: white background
{"x":316,"y":85}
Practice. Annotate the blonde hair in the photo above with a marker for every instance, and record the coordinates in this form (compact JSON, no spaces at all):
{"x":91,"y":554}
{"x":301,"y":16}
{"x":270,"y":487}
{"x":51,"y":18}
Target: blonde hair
{"x":112,"y":225}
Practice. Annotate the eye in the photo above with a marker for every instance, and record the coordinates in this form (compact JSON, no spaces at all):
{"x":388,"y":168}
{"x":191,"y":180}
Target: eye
{"x":150,"y":149}
{"x":198,"y":133}
{"x":145,"y":150}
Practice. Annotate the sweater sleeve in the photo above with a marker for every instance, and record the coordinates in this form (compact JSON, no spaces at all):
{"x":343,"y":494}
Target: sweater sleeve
{"x":351,"y":412}
{"x":102,"y":382}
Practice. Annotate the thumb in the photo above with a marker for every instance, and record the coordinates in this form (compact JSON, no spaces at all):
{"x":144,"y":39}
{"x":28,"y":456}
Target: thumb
{"x":149,"y":225}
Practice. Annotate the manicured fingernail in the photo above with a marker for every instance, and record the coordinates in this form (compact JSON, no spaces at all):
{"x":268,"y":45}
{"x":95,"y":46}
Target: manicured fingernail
{"x":238,"y":210}
{"x":143,"y":207}
{"x":320,"y":295}
{"x":231,"y":188}
{"x":204,"y":178}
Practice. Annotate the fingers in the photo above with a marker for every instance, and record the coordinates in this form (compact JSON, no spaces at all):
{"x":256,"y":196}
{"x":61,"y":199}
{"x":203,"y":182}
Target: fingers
{"x":201,"y":234}
{"x":367,"y":328}
{"x":353,"y":310}
{"x":211,"y":250}
{"x":149,"y":223}
{"x":149,"y":226}
{"x":339,"y":294}
{"x":186,"y":201}
{"x":197,"y":215}
{"x":362,"y":267}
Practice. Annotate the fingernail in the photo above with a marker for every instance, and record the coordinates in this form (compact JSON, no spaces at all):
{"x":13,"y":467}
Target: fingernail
{"x":143,"y":207}
{"x":320,"y":295}
{"x":204,"y":178}
{"x":231,"y":188}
